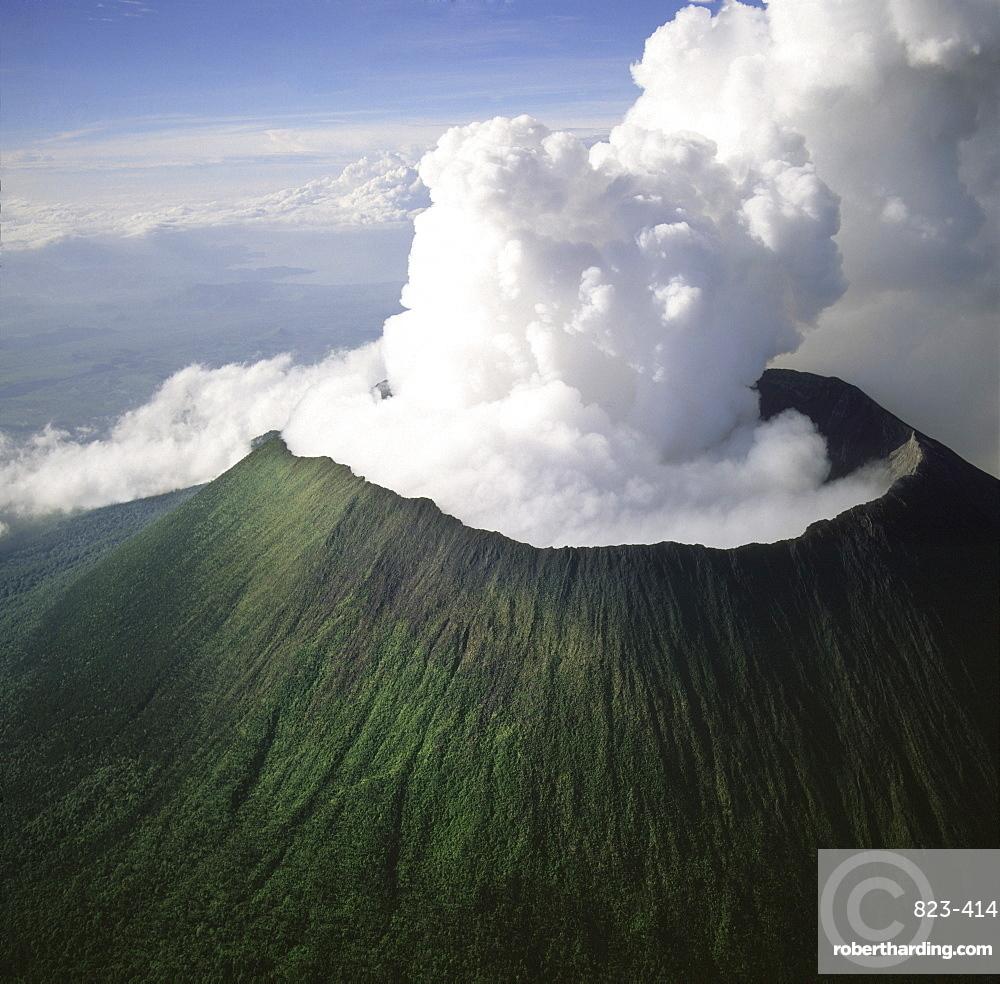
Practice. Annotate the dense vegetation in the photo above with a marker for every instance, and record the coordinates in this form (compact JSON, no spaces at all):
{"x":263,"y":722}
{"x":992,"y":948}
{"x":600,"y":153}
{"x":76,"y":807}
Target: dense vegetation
{"x":39,"y":556}
{"x":302,"y":729}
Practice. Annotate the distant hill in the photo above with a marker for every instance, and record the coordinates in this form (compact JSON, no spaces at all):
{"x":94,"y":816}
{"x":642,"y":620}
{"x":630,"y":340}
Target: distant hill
{"x":300,"y":728}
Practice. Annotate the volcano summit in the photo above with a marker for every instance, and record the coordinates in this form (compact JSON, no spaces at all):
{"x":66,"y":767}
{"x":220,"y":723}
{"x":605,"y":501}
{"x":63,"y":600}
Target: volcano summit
{"x":301,"y":728}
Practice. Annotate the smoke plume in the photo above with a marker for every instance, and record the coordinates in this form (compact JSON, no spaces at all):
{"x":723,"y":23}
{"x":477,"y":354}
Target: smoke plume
{"x":583,"y":325}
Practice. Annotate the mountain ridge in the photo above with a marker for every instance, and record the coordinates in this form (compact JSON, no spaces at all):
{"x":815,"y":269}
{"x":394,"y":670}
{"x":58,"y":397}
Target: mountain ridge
{"x":301,"y":728}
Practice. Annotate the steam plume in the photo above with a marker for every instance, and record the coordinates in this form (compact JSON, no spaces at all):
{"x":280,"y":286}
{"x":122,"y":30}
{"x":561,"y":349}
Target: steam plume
{"x":583,"y":325}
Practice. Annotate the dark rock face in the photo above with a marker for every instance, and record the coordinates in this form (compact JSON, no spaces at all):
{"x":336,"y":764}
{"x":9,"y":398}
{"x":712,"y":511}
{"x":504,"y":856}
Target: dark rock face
{"x":324,"y":732}
{"x":261,"y":439}
{"x":934,"y":485}
{"x":857,"y":429}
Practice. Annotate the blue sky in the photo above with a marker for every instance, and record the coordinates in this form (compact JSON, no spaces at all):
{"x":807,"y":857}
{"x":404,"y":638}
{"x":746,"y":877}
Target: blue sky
{"x":116,"y":109}
{"x":143,"y":102}
{"x":83,"y":64}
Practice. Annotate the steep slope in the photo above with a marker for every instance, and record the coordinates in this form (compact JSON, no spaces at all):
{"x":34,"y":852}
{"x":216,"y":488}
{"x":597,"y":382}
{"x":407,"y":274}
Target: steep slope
{"x":303,"y":729}
{"x":38,"y":556}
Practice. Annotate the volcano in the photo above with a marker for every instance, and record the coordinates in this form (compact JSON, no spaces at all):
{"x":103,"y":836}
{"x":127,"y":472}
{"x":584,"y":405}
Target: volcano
{"x":301,"y":728}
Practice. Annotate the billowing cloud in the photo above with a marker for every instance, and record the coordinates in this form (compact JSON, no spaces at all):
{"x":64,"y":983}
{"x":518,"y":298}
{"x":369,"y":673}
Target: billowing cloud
{"x":583,"y":324}
{"x":896,"y":103}
{"x":379,"y":189}
{"x":583,"y":329}
{"x":198,"y":424}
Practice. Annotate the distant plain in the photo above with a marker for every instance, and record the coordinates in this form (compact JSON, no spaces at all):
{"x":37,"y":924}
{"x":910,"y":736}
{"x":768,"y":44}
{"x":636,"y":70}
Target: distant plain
{"x":90,"y":329}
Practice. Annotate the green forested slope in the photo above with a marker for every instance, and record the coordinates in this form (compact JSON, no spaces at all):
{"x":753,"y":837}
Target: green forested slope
{"x":303,"y":729}
{"x":38,"y":556}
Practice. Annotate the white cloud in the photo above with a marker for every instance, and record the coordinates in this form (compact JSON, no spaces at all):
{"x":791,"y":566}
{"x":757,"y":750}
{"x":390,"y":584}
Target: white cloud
{"x":198,"y":424}
{"x":382,"y":188}
{"x":583,"y":324}
{"x":160,"y":142}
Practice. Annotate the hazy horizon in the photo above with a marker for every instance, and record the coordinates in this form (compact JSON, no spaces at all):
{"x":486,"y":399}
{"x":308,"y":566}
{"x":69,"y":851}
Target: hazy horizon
{"x":162,"y":210}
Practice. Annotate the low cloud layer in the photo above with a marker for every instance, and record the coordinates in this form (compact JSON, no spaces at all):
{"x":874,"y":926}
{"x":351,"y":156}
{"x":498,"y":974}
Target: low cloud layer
{"x":383,"y":188}
{"x":583,"y":325}
{"x":198,"y":424}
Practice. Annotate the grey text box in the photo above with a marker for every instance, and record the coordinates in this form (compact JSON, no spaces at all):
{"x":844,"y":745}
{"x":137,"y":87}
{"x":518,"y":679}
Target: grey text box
{"x":879,"y":903}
